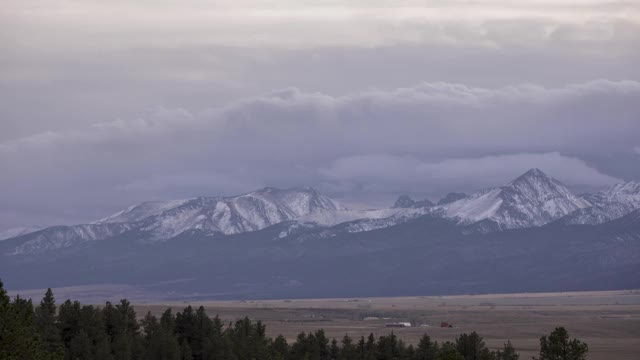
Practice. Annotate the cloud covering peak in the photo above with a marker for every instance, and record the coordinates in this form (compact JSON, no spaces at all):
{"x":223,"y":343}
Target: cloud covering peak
{"x":431,"y":138}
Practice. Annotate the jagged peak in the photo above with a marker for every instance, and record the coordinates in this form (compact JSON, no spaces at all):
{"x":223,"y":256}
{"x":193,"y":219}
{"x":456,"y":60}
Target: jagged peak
{"x":533,"y":173}
{"x":627,"y":187}
{"x":272,"y":189}
{"x":451,"y":197}
{"x":534,"y":178}
{"x":404,"y":201}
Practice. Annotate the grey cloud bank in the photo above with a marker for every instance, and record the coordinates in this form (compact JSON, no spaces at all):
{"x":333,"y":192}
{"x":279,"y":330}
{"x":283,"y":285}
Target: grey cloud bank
{"x":430,"y":138}
{"x":69,"y":63}
{"x":104,"y":104}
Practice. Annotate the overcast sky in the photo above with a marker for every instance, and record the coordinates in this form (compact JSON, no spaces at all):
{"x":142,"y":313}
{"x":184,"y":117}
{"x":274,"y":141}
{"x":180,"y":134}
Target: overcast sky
{"x":108,"y":103}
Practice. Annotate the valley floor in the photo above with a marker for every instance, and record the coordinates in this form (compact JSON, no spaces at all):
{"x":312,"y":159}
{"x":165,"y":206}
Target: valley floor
{"x":609,"y":321}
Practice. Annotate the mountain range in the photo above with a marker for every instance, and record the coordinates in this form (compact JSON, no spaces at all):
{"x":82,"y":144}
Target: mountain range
{"x":531,"y":234}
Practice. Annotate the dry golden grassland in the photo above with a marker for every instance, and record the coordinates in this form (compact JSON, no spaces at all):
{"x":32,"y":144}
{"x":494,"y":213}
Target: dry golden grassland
{"x":608,"y":321}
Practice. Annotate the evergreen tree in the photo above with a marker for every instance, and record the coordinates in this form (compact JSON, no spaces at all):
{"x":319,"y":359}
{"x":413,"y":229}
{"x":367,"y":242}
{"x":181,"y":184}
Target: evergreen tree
{"x":80,"y":347}
{"x":370,"y":348}
{"x":185,"y":351}
{"x":113,"y":333}
{"x":201,"y":331}
{"x":103,"y":349}
{"x":18,"y":337}
{"x":185,"y":329}
{"x":334,"y":350}
{"x":390,"y":348}
{"x":449,"y":351}
{"x":92,"y":323}
{"x":69,"y":323}
{"x":45,"y":323}
{"x":279,"y":348}
{"x":471,"y":347}
{"x":215,"y":344}
{"x":426,"y":350}
{"x":6,"y":324}
{"x":349,"y":350}
{"x":507,"y":353}
{"x":312,"y":347}
{"x":159,"y":342}
{"x":558,"y":346}
{"x":321,"y":345}
{"x":122,"y":330}
{"x":361,"y":348}
{"x":410,"y":353}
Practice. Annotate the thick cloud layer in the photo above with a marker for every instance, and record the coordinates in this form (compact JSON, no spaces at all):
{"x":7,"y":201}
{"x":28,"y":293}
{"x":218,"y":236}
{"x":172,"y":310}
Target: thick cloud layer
{"x":67,"y":63}
{"x":430,"y":138}
{"x":103,"y":104}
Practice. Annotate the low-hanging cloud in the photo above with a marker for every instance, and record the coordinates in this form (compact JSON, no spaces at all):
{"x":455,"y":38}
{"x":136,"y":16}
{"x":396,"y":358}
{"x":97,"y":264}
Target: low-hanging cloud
{"x":394,"y":172}
{"x":429,"y":135}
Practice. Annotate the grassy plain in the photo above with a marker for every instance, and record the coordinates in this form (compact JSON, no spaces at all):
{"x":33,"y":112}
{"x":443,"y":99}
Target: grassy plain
{"x":608,"y":321}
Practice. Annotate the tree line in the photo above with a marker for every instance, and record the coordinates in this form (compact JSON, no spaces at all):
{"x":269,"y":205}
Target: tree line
{"x":73,"y":331}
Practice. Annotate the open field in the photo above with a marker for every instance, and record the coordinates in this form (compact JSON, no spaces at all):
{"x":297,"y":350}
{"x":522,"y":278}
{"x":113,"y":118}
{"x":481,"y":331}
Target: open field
{"x":609,"y":321}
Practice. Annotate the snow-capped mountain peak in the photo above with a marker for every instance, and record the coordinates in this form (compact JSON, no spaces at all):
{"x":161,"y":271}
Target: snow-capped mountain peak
{"x":235,"y":214}
{"x":628,"y":192}
{"x":404,"y":201}
{"x":609,"y":204}
{"x":140,"y":211}
{"x":163,"y":220}
{"x":532,"y":199}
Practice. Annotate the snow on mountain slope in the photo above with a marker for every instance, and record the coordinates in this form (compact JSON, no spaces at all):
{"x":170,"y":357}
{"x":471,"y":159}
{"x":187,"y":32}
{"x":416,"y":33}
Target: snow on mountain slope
{"x":232,"y":215}
{"x":163,"y":220}
{"x":330,"y":218}
{"x":19,"y":231}
{"x":533,"y":199}
{"x":57,"y":237}
{"x":612,"y":203}
{"x":141,"y":211}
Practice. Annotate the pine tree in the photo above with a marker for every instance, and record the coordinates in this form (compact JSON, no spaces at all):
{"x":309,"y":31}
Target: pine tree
{"x":18,"y":338}
{"x":558,"y":346}
{"x":449,"y":351}
{"x":321,"y":345}
{"x":45,"y":323}
{"x":80,"y":347}
{"x":507,"y":353}
{"x":215,"y":345}
{"x":92,"y":323}
{"x":6,"y":324}
{"x":389,"y":347}
{"x":471,"y":346}
{"x":201,"y":331}
{"x":279,"y":348}
{"x":69,"y":322}
{"x":426,"y":350}
{"x":349,"y":350}
{"x":361,"y":348}
{"x":159,"y":342}
{"x":122,"y":330}
{"x":185,"y":351}
{"x":334,"y":350}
